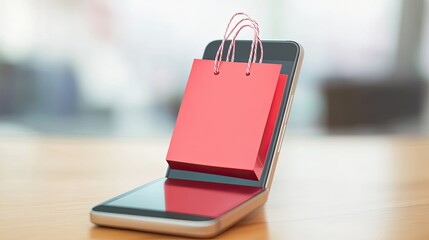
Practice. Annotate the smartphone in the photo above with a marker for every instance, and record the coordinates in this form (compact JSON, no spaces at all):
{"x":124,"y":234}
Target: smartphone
{"x":197,"y":204}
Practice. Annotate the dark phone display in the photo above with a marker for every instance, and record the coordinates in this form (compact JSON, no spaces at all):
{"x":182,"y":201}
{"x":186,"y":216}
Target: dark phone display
{"x":199,"y":196}
{"x":186,"y":197}
{"x":279,"y":52}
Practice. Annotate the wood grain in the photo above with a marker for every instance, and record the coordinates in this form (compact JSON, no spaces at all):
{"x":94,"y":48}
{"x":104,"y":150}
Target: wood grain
{"x":324,"y":188}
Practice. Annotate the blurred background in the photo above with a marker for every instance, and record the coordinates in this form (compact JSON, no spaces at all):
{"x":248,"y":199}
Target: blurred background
{"x":119,"y":68}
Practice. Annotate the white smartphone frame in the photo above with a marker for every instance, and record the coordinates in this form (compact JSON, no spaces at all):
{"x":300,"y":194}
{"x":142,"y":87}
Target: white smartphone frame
{"x":214,"y":226}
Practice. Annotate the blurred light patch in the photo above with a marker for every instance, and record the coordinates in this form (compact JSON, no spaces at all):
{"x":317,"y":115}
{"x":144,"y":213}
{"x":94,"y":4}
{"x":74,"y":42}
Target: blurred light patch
{"x":119,"y":68}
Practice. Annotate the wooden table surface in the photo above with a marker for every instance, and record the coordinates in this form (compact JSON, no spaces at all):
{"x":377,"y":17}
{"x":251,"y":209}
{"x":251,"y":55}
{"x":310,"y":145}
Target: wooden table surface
{"x":324,"y":188}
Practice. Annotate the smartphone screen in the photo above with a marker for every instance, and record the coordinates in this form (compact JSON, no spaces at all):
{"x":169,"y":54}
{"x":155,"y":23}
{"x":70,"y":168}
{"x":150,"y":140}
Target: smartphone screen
{"x":197,"y":196}
{"x":177,"y":198}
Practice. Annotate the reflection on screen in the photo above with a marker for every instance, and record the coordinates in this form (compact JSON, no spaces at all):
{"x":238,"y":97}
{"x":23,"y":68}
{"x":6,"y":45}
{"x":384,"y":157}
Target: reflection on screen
{"x":187,"y":197}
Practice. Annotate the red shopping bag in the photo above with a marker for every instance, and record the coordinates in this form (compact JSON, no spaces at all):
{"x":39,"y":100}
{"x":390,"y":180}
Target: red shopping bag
{"x":226,"y":119}
{"x":222,"y":119}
